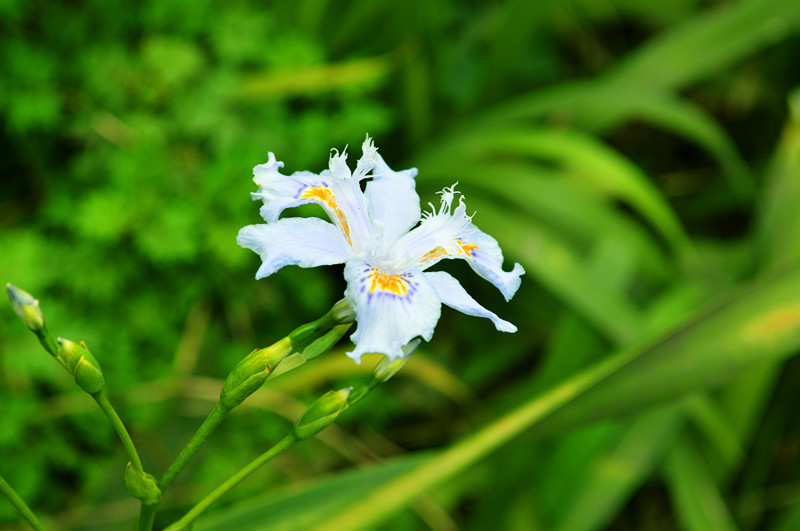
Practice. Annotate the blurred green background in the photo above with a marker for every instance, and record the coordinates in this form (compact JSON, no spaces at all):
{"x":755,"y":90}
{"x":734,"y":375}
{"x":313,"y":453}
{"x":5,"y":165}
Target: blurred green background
{"x":640,"y":159}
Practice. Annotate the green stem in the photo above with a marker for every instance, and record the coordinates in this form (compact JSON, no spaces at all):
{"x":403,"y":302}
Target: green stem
{"x":47,"y":341}
{"x":147,"y":515}
{"x":202,"y":434}
{"x":119,"y":427}
{"x":20,"y":505}
{"x":234,"y":480}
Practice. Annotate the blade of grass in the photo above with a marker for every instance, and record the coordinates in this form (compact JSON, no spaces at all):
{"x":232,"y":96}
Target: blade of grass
{"x":779,"y":221}
{"x":560,"y":269}
{"x":296,"y":510}
{"x":581,"y":157}
{"x":560,"y":205}
{"x":697,"y":500}
{"x":692,"y":50}
{"x":599,"y":106}
{"x":613,"y":476}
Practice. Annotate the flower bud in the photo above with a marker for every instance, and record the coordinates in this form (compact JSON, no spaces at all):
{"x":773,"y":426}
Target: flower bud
{"x":384,"y":370}
{"x":287,"y":364}
{"x":388,"y":367}
{"x":340,"y":314}
{"x":251,"y":373}
{"x":84,"y":367}
{"x":321,"y":413}
{"x":141,"y":485}
{"x":26,"y":308}
{"x":326,"y":342}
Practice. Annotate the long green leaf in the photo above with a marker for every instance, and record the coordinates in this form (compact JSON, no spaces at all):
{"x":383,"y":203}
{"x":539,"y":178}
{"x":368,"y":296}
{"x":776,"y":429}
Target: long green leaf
{"x":560,"y":269}
{"x":581,"y":158}
{"x":600,"y":105}
{"x":779,"y":222}
{"x":697,"y":500}
{"x":560,"y":205}
{"x":754,"y":326}
{"x":295,"y":510}
{"x":611,"y":478}
{"x":708,"y":43}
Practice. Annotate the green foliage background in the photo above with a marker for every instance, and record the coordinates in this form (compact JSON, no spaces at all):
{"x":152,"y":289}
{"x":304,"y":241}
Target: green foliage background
{"x":640,"y":159}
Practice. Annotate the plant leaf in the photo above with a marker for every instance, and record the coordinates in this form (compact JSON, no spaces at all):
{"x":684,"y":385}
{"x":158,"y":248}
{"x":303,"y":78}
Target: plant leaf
{"x":757,"y":325}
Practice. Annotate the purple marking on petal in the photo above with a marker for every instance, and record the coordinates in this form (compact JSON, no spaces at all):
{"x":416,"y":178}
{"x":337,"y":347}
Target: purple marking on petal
{"x":300,"y":191}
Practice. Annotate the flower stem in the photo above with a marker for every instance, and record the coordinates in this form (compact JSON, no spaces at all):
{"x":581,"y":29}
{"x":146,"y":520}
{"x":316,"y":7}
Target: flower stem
{"x":234,"y":480}
{"x":119,"y":427}
{"x":202,"y":434}
{"x":48,"y":343}
{"x":147,"y":515}
{"x":20,"y":505}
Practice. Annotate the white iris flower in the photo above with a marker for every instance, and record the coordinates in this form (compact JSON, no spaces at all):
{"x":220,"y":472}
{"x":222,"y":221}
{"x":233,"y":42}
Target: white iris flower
{"x":385,"y":242}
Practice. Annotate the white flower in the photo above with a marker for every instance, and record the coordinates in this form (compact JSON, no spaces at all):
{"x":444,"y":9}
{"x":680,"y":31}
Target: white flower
{"x":385,"y":243}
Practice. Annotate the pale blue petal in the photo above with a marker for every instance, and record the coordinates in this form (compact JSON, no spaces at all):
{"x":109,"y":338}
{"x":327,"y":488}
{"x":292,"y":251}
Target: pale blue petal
{"x":368,"y":160}
{"x":437,"y":237}
{"x":393,"y":201}
{"x":487,"y":261}
{"x":306,"y":242}
{"x":454,"y":295}
{"x":333,"y":189}
{"x":392,"y":314}
{"x":279,"y":192}
{"x":350,"y":203}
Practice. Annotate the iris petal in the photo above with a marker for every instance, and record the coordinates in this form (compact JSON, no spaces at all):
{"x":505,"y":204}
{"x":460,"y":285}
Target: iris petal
{"x":278,"y":191}
{"x":454,"y":295}
{"x":486,"y":259}
{"x":306,"y":242}
{"x":391,"y":309}
{"x":437,"y":237}
{"x":393,"y":201}
{"x":336,"y":191}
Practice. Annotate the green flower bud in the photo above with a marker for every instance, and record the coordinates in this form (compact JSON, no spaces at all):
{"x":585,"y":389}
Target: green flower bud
{"x":89,"y":377}
{"x":388,"y":367}
{"x":384,"y":370}
{"x":289,"y":363}
{"x":141,"y":485}
{"x":84,"y":367}
{"x":26,"y":308}
{"x":321,"y":413}
{"x":250,"y":374}
{"x":326,"y":342}
{"x":341,"y":313}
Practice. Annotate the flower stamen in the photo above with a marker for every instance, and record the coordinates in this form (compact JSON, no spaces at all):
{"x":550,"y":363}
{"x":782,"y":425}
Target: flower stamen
{"x":394,"y":284}
{"x":467,"y":248}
